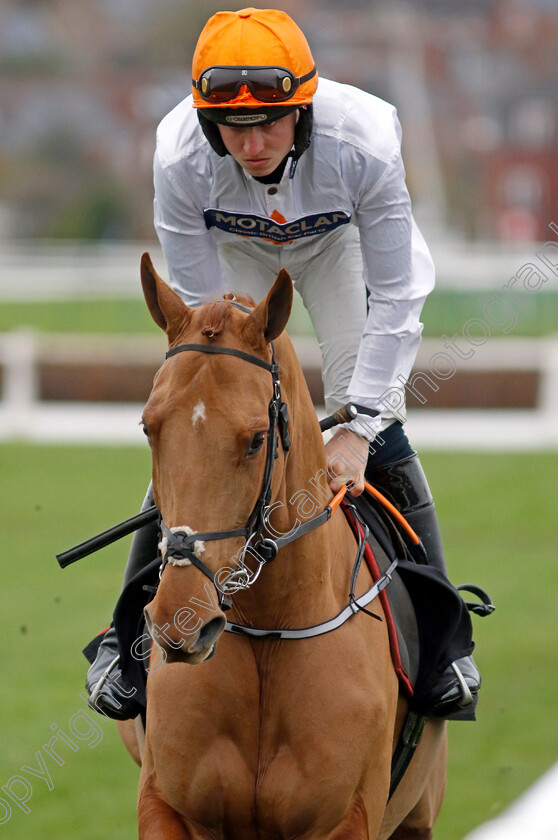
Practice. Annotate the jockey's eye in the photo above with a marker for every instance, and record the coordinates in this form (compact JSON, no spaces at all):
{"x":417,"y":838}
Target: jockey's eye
{"x":256,"y":443}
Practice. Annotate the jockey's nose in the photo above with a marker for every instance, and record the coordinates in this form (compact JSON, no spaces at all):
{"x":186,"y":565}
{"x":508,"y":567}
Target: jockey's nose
{"x":253,"y":141}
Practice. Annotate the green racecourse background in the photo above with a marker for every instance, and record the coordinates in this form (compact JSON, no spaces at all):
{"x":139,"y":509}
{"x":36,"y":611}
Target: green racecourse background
{"x":498,"y":516}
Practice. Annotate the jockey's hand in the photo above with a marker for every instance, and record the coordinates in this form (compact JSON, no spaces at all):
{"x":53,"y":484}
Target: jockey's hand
{"x":347,"y":454}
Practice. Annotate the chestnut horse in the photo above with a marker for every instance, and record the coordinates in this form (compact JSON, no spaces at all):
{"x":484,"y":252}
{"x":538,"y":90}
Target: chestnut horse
{"x":270,"y":737}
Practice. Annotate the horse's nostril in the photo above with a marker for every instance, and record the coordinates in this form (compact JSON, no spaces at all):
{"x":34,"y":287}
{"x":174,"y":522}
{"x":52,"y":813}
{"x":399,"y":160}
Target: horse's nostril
{"x":210,"y":632}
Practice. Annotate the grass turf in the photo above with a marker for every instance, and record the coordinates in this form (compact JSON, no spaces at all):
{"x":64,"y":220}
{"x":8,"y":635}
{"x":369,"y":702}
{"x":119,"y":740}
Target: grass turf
{"x":499,"y":522}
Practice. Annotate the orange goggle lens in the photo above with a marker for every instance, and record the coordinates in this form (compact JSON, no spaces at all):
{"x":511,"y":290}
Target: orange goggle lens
{"x":266,"y":84}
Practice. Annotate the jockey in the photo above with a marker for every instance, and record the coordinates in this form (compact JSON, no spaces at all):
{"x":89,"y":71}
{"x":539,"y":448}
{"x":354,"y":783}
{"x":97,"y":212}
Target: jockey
{"x":266,"y":166}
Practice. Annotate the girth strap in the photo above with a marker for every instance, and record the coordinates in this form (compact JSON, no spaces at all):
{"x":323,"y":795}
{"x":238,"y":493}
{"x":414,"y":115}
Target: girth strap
{"x":405,"y":750}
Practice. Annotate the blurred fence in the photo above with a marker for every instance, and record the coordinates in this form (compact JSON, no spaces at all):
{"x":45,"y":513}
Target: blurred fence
{"x":484,"y":392}
{"x":92,"y":388}
{"x":49,"y":270}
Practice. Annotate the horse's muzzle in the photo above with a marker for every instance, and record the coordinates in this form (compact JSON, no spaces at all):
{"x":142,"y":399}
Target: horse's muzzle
{"x":191,"y":648}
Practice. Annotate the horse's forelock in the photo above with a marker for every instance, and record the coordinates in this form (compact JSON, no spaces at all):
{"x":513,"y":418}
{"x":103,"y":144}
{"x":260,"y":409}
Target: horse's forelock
{"x":218,"y":313}
{"x":215,"y":317}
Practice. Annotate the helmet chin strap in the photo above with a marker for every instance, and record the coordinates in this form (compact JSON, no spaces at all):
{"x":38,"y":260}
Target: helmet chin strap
{"x":303,"y":130}
{"x":303,"y":136}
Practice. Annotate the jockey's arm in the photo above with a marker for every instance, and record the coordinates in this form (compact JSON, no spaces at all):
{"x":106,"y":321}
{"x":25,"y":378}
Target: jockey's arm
{"x":398,"y":274}
{"x":188,"y":247}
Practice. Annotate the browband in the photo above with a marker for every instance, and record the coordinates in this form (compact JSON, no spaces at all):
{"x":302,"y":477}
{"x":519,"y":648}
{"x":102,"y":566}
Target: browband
{"x":224,"y":351}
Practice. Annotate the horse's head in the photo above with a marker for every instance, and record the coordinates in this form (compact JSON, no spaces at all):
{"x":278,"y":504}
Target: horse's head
{"x":214,"y":451}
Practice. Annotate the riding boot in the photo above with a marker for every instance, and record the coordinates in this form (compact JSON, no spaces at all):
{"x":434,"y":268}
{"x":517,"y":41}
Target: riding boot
{"x":109,"y":692}
{"x":405,"y":484}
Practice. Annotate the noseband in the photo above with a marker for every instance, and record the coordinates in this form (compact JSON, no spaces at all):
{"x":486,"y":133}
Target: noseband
{"x":180,"y":546}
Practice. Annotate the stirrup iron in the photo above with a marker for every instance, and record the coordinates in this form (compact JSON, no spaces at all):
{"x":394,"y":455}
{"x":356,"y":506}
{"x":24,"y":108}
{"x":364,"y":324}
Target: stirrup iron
{"x":100,"y":685}
{"x":466,"y":695}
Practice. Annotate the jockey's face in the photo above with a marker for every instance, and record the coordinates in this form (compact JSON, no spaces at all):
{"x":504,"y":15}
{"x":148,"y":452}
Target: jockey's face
{"x":259,"y":149}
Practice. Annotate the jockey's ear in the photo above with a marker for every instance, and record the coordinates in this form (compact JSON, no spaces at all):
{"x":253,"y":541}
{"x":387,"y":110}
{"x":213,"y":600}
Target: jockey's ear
{"x":167,"y":309}
{"x":269,"y":318}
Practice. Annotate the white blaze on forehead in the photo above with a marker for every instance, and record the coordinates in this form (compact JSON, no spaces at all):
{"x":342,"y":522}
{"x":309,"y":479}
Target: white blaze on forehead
{"x":197,"y":549}
{"x":198,"y":412}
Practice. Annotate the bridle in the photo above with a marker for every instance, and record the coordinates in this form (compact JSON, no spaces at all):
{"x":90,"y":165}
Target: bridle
{"x":180,"y":545}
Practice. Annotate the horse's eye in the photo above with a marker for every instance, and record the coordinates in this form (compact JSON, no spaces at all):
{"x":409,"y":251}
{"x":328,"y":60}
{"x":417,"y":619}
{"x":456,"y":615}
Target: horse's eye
{"x":144,"y":429}
{"x":256,"y":443}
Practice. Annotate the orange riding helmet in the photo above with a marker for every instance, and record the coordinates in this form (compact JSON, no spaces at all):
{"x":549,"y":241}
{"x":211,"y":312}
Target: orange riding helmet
{"x":253,"y":58}
{"x":252,"y":67}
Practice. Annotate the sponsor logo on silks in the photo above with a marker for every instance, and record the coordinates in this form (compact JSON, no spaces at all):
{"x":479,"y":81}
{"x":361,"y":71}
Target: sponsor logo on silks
{"x":248,"y":224}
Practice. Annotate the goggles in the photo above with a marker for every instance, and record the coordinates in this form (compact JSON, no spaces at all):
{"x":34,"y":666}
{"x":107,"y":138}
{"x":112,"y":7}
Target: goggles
{"x":266,"y":84}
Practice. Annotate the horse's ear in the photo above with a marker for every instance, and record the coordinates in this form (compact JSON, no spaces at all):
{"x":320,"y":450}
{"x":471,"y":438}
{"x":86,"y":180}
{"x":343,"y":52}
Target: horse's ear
{"x":269,"y":318}
{"x":167,"y":309}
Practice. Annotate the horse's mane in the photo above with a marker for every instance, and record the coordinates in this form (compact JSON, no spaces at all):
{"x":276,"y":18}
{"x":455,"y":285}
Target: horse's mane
{"x":218,"y":313}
